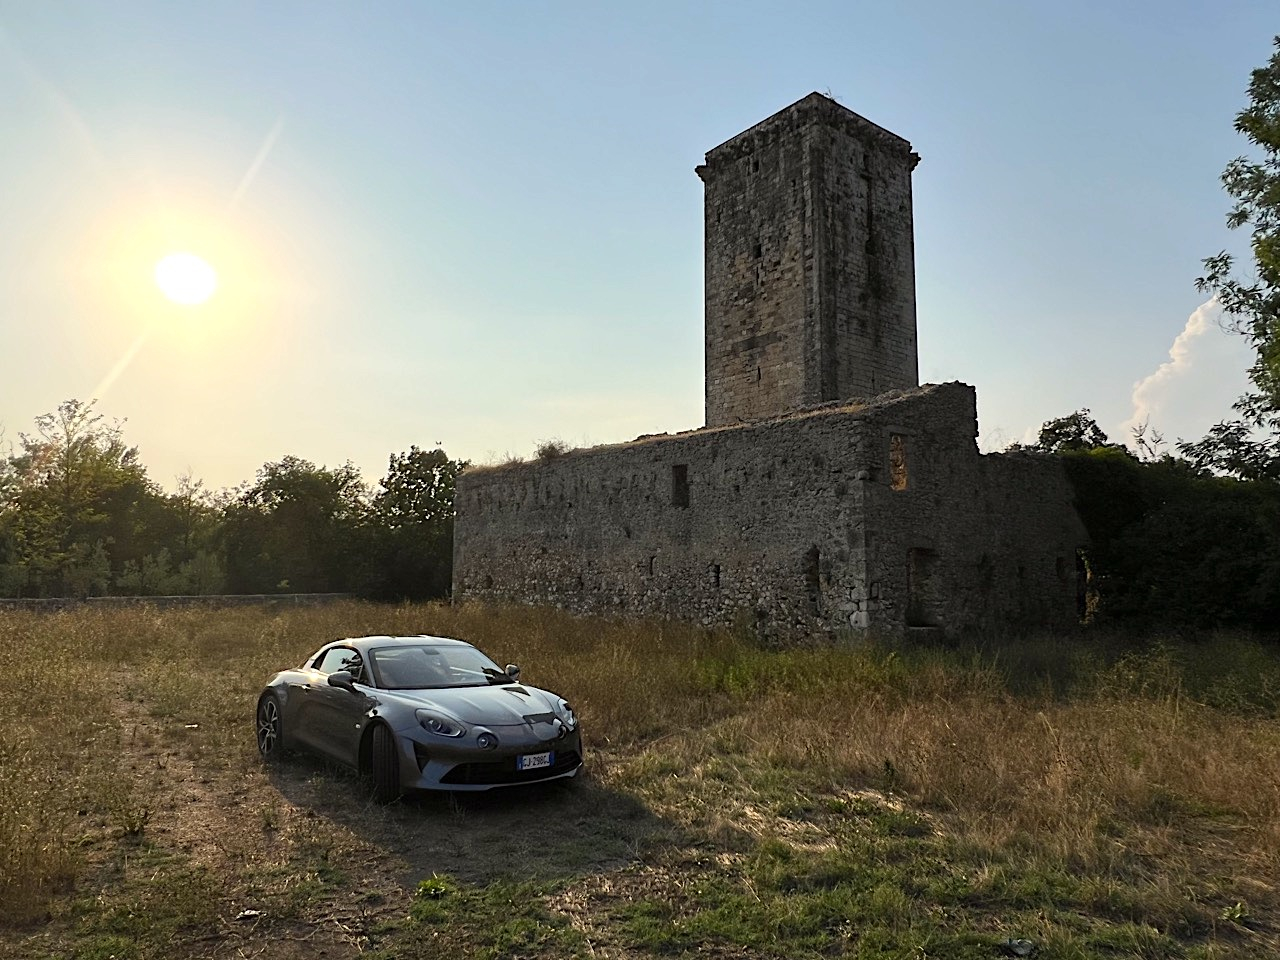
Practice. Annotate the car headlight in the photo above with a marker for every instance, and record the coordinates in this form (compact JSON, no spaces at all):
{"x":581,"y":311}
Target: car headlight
{"x":565,"y":713}
{"x":439,"y":724}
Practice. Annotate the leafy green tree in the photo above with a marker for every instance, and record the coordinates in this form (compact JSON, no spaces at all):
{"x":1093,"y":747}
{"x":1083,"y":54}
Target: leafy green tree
{"x":75,"y":492}
{"x":1169,"y":543}
{"x":1172,"y":545}
{"x":195,"y":512}
{"x":418,"y":488}
{"x":1075,"y":431}
{"x":1249,"y":445}
{"x":294,"y":529}
{"x":151,"y":575}
{"x":409,"y":535}
{"x":203,"y":574}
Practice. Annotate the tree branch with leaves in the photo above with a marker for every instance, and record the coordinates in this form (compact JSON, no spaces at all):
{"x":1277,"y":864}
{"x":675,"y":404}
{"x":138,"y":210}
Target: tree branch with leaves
{"x":1249,"y":446}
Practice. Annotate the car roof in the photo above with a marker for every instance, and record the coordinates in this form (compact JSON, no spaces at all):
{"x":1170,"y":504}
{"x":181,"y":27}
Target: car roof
{"x":365,"y":643}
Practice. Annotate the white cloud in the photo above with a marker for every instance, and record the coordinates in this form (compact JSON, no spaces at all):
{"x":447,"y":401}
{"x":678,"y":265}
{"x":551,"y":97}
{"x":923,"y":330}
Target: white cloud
{"x":1196,"y":386}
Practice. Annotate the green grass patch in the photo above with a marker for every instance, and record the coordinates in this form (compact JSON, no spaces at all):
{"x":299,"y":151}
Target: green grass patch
{"x":157,"y":902}
{"x":503,"y":918}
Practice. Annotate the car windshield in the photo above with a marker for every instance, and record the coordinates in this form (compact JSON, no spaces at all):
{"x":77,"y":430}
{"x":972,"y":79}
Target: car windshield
{"x":430,"y":667}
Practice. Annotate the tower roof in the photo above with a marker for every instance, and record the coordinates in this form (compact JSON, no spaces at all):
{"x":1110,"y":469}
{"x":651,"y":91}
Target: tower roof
{"x":815,"y":108}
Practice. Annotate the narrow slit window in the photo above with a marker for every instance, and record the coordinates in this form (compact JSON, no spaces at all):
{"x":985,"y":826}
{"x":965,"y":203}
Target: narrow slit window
{"x":897,"y":461}
{"x":813,"y":580}
{"x":680,"y":485}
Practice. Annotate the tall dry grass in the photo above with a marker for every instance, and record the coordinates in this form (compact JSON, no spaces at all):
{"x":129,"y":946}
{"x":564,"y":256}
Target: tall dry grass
{"x":1098,"y":758}
{"x":1129,"y":757}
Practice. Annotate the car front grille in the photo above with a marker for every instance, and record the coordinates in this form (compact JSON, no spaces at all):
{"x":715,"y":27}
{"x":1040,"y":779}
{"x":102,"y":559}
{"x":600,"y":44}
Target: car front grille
{"x":498,"y":772}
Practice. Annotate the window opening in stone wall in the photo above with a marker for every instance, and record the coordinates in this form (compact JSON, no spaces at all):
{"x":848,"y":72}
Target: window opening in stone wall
{"x":813,"y":580}
{"x":715,"y":576}
{"x":757,"y":251}
{"x":922,"y":599}
{"x":651,"y":559}
{"x":897,"y":461}
{"x":680,"y":485}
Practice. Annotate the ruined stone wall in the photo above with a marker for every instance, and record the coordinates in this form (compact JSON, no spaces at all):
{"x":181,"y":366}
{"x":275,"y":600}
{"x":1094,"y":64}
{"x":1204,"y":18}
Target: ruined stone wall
{"x":809,"y":263}
{"x":875,"y":516}
{"x":969,"y":541}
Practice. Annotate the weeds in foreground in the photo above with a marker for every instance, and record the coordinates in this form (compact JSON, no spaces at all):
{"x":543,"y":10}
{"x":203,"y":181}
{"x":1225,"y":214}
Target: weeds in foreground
{"x":1097,"y":795}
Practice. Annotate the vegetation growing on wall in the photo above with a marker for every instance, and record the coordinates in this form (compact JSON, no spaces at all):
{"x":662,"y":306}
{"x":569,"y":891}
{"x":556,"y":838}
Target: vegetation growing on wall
{"x":1171,"y":543}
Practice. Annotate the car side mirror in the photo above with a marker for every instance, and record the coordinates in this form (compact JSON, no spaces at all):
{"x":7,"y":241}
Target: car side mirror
{"x":513,"y":671}
{"x":344,"y":680}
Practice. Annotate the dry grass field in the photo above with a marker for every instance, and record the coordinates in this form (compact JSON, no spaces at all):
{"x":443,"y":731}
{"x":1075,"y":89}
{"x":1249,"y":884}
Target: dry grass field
{"x":1092,"y":797}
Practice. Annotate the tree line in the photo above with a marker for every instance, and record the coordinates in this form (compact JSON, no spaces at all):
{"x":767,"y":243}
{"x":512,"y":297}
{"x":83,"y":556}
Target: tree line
{"x":80,"y":517}
{"x":1172,"y":543}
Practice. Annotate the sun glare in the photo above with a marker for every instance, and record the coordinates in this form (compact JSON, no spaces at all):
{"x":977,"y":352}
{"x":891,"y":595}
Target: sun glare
{"x":185,"y":278}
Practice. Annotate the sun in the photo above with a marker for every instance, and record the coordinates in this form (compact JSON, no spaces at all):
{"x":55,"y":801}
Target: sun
{"x":186,"y":279}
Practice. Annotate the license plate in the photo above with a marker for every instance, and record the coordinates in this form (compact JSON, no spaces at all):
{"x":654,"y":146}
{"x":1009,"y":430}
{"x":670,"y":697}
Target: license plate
{"x":534,"y":761}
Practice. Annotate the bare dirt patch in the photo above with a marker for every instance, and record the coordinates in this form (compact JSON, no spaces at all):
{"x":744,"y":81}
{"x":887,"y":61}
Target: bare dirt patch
{"x":299,"y":861}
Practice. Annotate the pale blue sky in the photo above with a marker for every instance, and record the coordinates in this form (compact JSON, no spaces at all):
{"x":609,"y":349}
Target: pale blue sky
{"x":478,"y":224}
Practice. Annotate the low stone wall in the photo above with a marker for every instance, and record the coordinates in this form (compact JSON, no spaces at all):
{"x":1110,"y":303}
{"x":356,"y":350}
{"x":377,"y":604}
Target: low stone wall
{"x":54,"y":604}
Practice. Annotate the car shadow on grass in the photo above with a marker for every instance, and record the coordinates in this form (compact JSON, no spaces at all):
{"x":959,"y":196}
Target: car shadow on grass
{"x":548,"y":830}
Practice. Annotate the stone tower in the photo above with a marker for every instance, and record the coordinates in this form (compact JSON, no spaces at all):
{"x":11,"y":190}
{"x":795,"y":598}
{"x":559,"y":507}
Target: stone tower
{"x":810,"y":263}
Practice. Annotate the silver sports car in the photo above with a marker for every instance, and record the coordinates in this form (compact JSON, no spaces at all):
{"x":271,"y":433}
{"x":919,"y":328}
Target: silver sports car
{"x":419,"y":713}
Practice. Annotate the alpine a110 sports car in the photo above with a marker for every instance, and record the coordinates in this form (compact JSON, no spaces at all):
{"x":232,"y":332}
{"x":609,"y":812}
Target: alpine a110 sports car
{"x":419,"y":713}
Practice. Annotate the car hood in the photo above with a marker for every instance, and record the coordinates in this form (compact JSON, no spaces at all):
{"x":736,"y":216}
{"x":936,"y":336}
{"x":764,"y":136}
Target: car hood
{"x":504,"y":705}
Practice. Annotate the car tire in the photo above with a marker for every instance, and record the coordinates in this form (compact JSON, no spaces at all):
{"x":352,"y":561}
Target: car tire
{"x":270,"y":727}
{"x":384,"y":765}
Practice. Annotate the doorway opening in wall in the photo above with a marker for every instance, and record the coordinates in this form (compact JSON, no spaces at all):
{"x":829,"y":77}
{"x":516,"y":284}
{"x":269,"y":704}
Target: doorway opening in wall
{"x":922,"y":603}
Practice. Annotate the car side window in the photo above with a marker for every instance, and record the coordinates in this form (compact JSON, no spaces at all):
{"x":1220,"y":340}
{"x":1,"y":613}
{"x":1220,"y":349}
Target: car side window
{"x":342,"y":658}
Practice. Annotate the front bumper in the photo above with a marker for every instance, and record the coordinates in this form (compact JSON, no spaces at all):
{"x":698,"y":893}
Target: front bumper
{"x":429,"y":762}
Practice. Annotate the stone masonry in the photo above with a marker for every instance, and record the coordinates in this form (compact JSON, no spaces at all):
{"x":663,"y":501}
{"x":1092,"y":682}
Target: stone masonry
{"x":800,"y":509}
{"x":810,"y":264}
